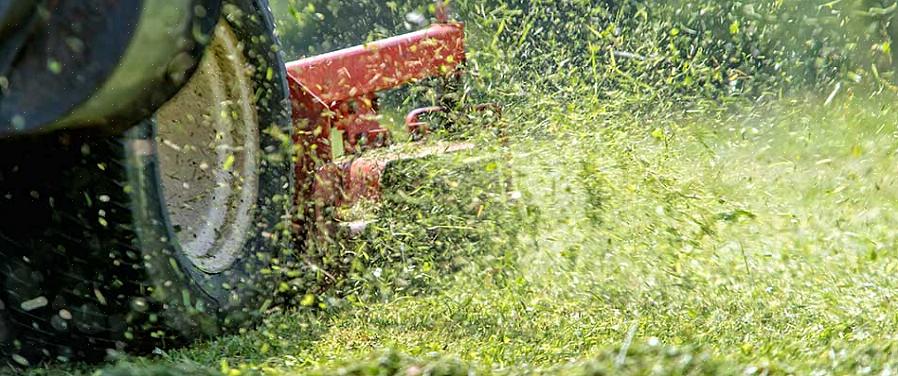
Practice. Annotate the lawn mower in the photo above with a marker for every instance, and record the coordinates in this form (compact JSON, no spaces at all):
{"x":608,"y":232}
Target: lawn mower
{"x":160,"y":163}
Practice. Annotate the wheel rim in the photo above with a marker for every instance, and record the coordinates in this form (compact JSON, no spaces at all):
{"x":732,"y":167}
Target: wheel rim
{"x":208,"y":142}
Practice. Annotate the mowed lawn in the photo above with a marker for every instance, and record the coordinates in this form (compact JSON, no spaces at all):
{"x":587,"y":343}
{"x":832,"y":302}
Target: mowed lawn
{"x":741,"y":242}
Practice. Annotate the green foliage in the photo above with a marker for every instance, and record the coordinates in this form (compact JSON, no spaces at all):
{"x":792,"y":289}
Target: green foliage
{"x":710,"y":48}
{"x":669,"y":49}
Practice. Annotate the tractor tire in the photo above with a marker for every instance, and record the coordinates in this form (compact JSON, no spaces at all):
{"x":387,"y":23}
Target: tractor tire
{"x":163,"y":234}
{"x":116,"y":61}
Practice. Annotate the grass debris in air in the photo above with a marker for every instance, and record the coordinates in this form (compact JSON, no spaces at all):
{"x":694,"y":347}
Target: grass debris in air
{"x":697,"y":187}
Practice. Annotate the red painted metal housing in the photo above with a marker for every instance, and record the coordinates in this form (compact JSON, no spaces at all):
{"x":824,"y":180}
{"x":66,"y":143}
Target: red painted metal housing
{"x":382,"y":65}
{"x":337,"y":91}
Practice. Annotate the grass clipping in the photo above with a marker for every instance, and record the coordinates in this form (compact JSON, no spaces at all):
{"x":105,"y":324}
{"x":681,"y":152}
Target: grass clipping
{"x":706,"y":187}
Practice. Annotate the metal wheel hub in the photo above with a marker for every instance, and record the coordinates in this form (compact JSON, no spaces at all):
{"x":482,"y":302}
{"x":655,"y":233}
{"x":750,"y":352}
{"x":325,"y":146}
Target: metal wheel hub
{"x":208,"y":143}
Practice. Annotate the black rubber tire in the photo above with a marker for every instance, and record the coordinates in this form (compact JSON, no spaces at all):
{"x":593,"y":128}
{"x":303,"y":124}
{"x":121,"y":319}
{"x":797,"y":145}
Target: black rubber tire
{"x":100,"y":54}
{"x":89,"y":263}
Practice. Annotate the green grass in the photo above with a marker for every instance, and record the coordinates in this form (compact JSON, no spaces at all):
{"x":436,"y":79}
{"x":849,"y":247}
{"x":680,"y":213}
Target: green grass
{"x":749,"y":242}
{"x":672,"y":219}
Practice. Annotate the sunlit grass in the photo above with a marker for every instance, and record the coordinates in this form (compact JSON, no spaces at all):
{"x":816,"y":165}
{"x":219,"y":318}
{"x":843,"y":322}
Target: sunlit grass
{"x":663,"y":225}
{"x":762,"y":241}
{"x":745,"y":243}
